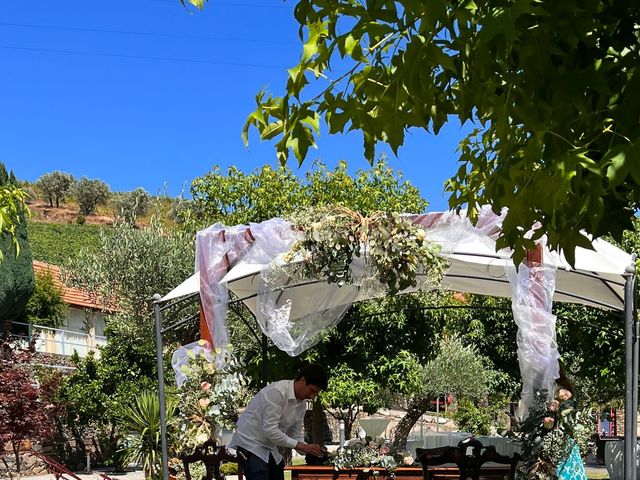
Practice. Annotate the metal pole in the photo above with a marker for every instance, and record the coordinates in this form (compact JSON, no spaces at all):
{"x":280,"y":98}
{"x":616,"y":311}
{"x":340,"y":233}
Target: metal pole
{"x":634,"y":389}
{"x":163,"y":406}
{"x":265,"y":360}
{"x":631,"y":376}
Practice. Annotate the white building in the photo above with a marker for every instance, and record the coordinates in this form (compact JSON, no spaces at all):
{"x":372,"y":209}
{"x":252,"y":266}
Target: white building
{"x":84,"y":323}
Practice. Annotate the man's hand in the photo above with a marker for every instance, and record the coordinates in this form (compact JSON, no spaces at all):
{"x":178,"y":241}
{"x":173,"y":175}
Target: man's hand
{"x":310,"y":449}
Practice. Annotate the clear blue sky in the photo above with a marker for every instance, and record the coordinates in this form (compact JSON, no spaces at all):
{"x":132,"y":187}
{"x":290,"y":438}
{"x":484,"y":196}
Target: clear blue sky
{"x":146,"y":93}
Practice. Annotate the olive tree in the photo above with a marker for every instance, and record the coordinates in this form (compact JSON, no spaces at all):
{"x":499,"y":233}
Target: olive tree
{"x":55,"y":186}
{"x":89,"y":194}
{"x":131,"y":205}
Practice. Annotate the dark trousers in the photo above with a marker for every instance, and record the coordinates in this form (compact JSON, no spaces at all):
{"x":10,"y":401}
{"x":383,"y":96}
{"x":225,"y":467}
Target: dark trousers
{"x":254,"y":468}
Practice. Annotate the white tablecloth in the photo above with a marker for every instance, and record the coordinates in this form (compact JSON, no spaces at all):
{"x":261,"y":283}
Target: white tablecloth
{"x":504,"y":446}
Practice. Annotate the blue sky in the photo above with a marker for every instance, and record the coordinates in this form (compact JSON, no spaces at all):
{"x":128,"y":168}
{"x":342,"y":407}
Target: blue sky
{"x":149,"y":94}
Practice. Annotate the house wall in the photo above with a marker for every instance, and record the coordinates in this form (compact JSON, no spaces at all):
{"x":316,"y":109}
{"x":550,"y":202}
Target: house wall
{"x":81,"y":331}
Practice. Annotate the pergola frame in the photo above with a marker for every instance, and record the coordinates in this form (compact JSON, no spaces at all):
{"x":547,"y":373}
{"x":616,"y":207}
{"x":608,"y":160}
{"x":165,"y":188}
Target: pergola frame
{"x":631,"y":332}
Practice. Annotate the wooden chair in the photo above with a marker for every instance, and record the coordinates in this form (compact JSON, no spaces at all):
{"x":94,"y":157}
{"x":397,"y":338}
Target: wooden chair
{"x":59,"y":471}
{"x":469,"y":465}
{"x":211,"y":455}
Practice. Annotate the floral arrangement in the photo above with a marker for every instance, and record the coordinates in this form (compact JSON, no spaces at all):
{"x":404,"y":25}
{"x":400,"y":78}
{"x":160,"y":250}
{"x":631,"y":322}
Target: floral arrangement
{"x":395,"y":250}
{"x":370,"y":453}
{"x":549,"y":435}
{"x":210,"y":397}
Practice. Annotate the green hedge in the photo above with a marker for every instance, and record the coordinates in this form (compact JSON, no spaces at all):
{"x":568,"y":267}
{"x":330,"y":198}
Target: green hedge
{"x":56,"y":243}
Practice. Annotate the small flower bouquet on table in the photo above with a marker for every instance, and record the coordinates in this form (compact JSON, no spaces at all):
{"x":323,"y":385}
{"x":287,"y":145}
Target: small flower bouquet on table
{"x":371,"y":453}
{"x":551,"y":438}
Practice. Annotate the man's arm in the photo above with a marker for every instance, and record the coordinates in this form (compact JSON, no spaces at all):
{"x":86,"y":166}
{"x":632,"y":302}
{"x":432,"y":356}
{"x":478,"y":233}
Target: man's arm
{"x":273,"y":406}
{"x":274,"y":401}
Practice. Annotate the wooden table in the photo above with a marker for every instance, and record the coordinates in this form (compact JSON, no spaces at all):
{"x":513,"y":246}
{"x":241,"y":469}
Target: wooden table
{"x":445,"y":472}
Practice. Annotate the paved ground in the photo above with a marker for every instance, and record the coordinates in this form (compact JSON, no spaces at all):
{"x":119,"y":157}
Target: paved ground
{"x":137,"y":475}
{"x":593,"y":473}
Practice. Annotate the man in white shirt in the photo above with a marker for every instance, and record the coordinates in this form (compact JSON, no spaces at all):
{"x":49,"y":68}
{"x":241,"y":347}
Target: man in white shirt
{"x":274,"y":419}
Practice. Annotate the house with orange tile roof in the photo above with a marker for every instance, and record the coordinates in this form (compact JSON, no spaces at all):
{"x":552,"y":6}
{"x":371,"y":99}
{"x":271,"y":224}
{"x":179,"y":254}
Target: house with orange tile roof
{"x":83,"y":327}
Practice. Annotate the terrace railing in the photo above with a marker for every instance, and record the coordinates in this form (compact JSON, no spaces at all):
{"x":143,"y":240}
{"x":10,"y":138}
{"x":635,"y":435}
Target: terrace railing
{"x":57,"y":340}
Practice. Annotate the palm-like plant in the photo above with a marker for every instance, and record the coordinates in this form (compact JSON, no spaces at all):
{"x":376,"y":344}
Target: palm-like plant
{"x":141,"y":422}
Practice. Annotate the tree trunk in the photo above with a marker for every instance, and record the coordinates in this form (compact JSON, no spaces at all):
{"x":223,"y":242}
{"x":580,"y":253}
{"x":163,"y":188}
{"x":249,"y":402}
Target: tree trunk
{"x":317,"y":423}
{"x":417,"y":407}
{"x":16,"y":451}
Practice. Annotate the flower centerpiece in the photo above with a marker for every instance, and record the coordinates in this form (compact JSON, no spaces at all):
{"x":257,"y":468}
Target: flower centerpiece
{"x":208,"y":400}
{"x":370,"y":453}
{"x":550,"y":436}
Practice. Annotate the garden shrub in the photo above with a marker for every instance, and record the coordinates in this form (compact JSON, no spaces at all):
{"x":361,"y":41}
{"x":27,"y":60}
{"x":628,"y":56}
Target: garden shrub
{"x":471,"y":418}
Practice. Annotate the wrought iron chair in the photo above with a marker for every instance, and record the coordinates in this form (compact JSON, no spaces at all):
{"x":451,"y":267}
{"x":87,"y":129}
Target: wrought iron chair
{"x":212,"y":456}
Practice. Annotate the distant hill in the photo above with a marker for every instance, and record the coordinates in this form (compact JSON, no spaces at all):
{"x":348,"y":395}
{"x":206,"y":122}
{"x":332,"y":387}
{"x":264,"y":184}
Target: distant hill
{"x":65,"y":214}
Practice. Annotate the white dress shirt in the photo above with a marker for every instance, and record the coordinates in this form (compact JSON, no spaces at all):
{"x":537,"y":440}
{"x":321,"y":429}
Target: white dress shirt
{"x":273,"y":419}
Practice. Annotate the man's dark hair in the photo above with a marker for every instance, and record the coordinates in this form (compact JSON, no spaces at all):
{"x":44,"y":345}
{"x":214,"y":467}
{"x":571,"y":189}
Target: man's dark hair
{"x":314,"y":375}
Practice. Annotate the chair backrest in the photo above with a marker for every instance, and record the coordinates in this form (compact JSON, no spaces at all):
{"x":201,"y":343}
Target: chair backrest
{"x":212,"y":456}
{"x":469,"y":464}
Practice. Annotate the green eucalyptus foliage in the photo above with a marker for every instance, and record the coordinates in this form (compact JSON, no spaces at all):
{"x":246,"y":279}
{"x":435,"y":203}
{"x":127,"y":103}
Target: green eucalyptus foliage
{"x":551,"y":89}
{"x":395,"y":252}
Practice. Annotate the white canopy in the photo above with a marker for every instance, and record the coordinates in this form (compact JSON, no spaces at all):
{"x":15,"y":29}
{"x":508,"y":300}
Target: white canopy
{"x":597,"y":279}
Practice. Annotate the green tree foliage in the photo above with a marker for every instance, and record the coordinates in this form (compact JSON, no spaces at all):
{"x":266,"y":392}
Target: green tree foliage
{"x":89,"y":194}
{"x":471,"y":418}
{"x":46,"y":306}
{"x":16,"y":271}
{"x":131,"y":205}
{"x":60,"y":243}
{"x":55,"y":186}
{"x":239,"y":198}
{"x":458,"y":369}
{"x":129,"y":266}
{"x":591,"y":342}
{"x":350,"y":392}
{"x":550,"y":87}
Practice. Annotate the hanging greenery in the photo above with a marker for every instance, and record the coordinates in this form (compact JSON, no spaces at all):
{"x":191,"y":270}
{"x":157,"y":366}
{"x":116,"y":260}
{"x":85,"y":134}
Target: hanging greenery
{"x":394,"y":251}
